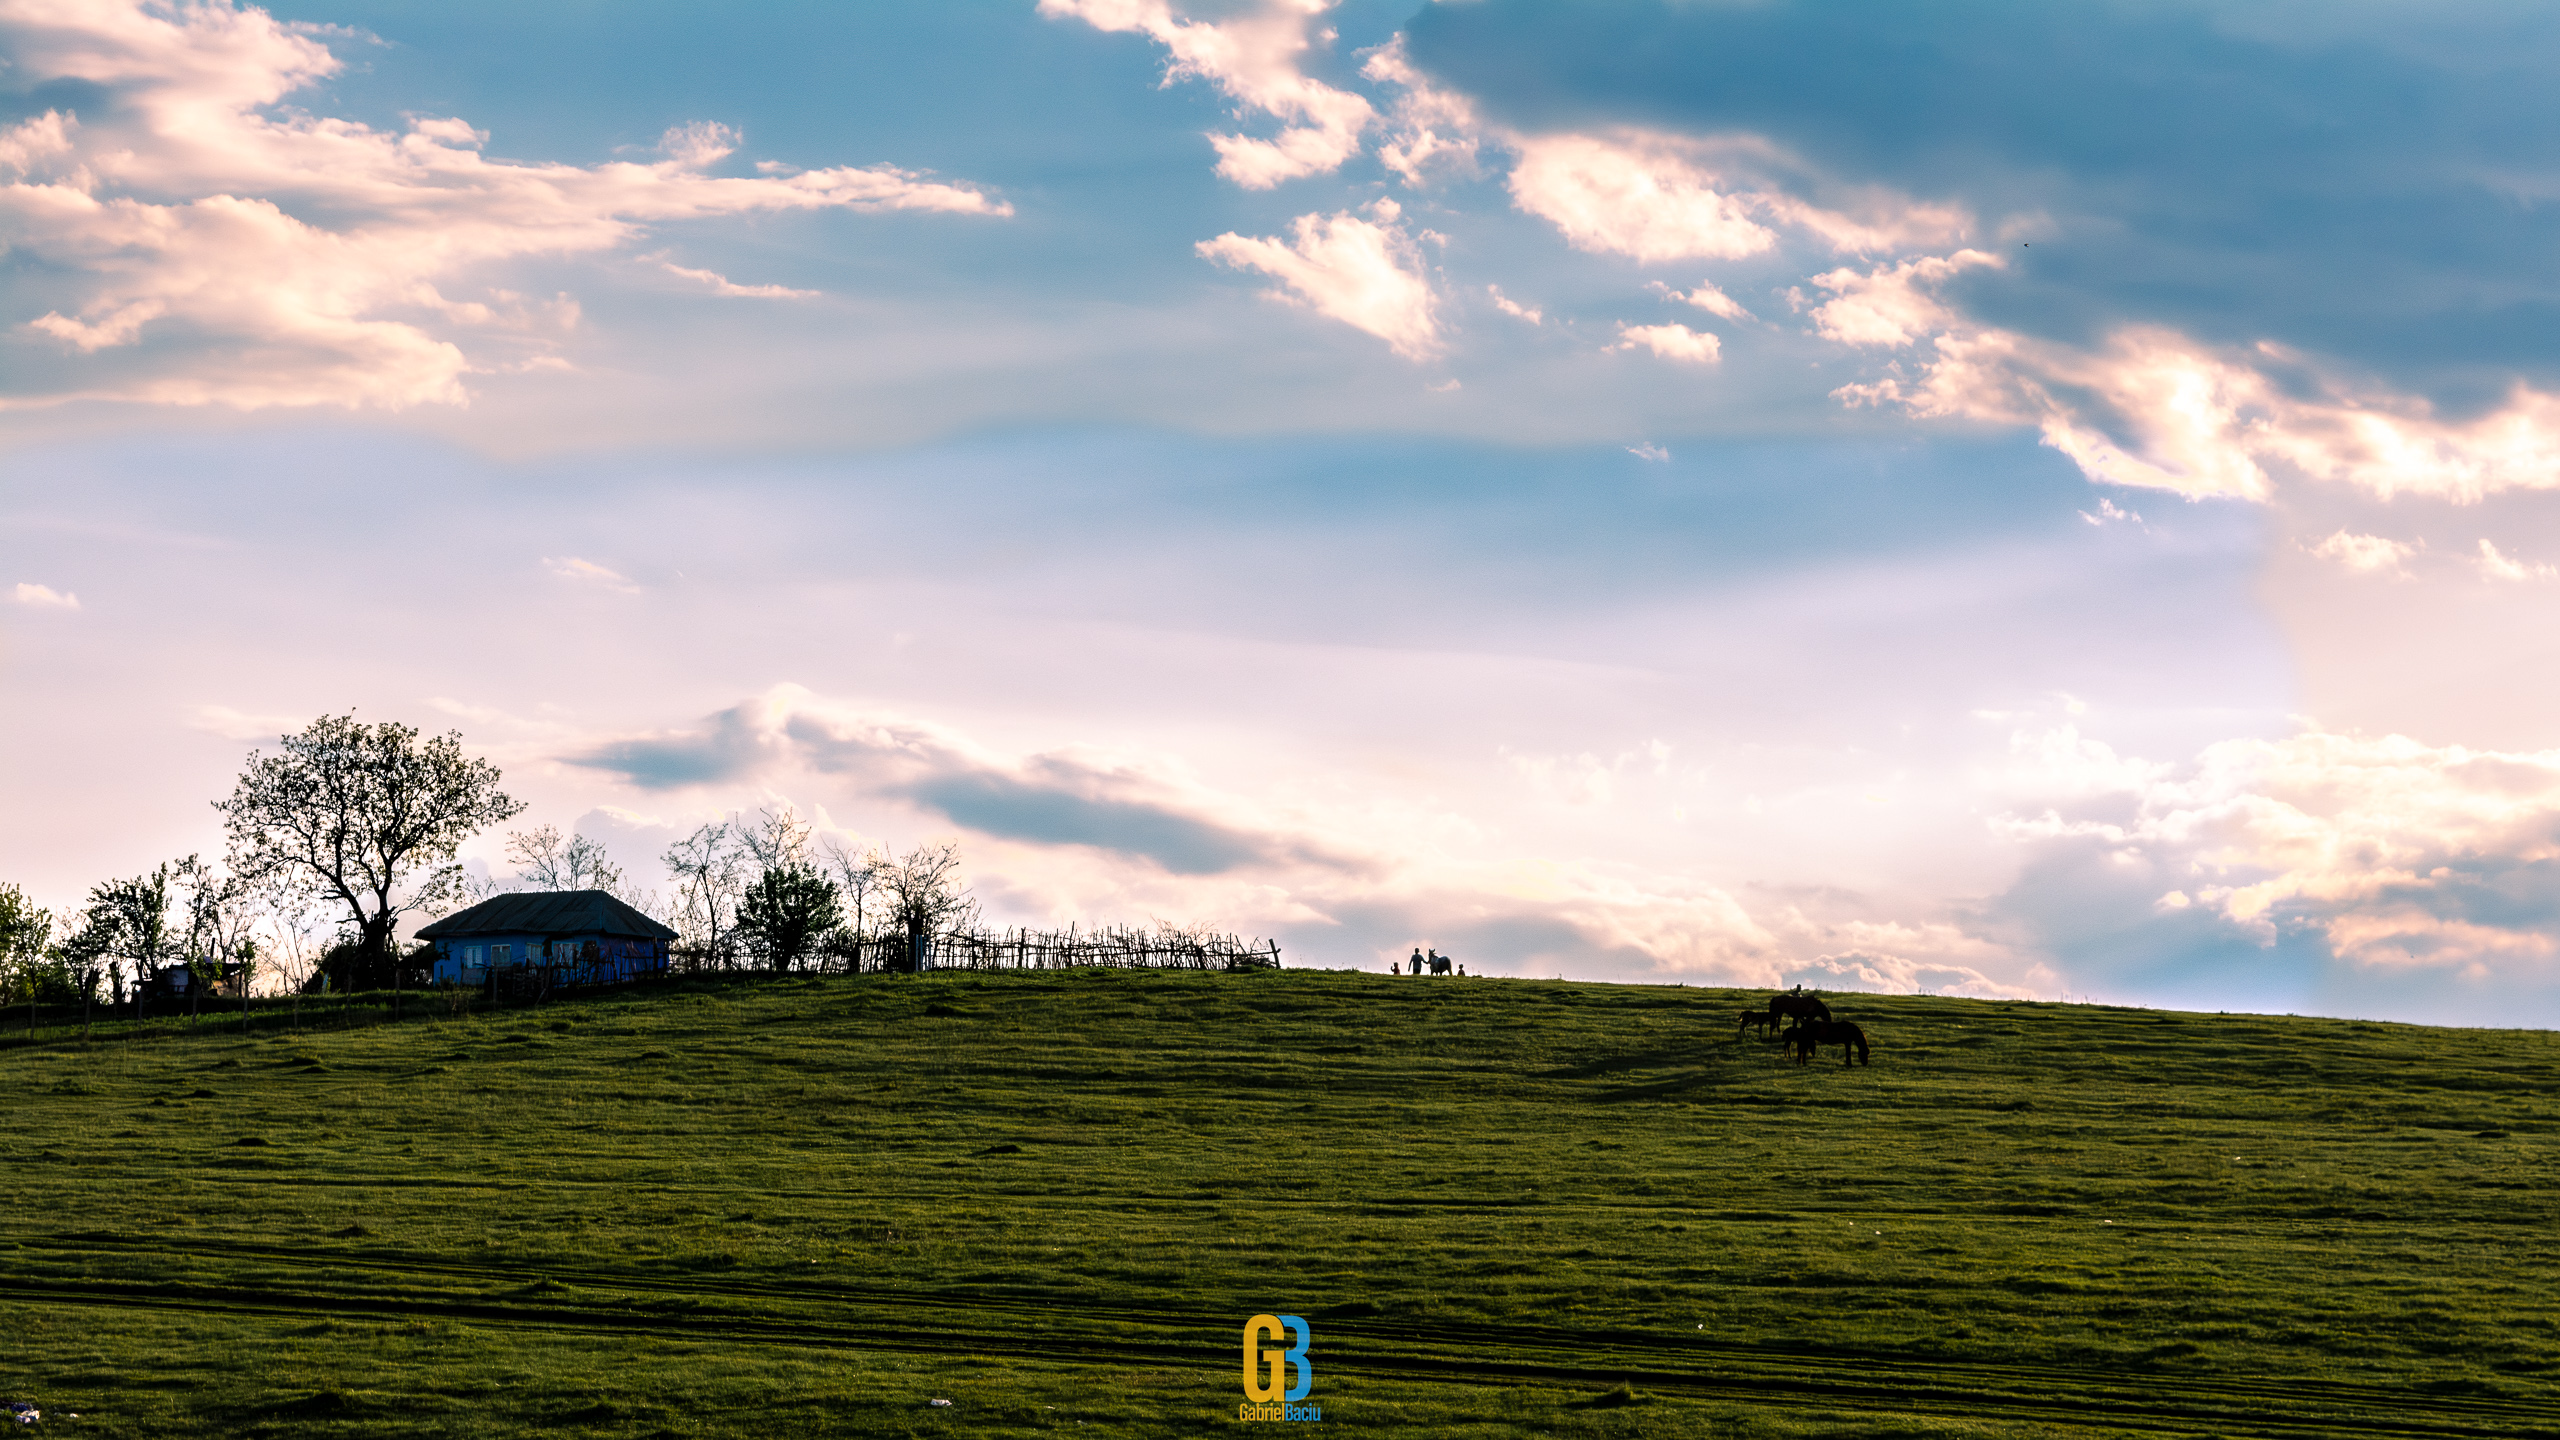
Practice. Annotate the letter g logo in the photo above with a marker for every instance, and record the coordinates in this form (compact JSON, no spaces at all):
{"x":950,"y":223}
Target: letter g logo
{"x":1264,"y":1369}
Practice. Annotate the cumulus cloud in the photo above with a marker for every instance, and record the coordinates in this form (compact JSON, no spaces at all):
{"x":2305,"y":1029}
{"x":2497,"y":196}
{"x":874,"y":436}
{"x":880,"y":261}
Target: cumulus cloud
{"x":1432,"y":131}
{"x":185,"y":238}
{"x":2396,"y":854}
{"x":1706,"y":297}
{"x":1650,"y":452}
{"x":2151,"y":407}
{"x":2366,"y":554}
{"x":2496,"y":565}
{"x":1254,"y":56}
{"x":1366,"y":274}
{"x":1655,"y":196}
{"x":1671,"y":342}
{"x":44,"y":597}
{"x":1892,"y":305}
{"x":1514,"y":308}
{"x":1636,"y":195}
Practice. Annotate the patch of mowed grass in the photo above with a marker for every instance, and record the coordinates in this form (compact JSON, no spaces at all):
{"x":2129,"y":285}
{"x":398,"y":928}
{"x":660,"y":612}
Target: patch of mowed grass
{"x":784,"y":1206}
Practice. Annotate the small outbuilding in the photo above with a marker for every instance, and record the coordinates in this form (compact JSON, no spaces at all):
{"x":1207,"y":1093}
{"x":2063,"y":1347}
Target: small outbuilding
{"x":583,"y":936}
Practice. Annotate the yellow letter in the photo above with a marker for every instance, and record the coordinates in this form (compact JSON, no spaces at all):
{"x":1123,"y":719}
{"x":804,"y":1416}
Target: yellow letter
{"x":1258,"y":1385}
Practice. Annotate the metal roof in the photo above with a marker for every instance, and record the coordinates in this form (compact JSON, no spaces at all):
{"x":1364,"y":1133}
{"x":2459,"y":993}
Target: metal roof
{"x":548,"y":912}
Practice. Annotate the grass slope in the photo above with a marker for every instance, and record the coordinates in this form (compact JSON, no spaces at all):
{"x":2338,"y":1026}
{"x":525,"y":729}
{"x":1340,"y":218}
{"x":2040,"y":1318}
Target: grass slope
{"x":1508,"y":1207}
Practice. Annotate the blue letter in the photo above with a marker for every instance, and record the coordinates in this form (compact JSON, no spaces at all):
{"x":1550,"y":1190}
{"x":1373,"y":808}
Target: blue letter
{"x":1297,"y":1355}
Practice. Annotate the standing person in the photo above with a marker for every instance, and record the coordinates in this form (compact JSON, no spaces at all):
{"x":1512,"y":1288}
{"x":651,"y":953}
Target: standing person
{"x":1417,"y":959}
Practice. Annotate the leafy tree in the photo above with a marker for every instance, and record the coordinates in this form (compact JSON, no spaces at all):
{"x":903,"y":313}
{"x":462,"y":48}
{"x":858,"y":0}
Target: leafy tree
{"x":544,"y":862}
{"x":787,"y":913}
{"x":366,"y":816}
{"x":24,"y":929}
{"x":126,"y":922}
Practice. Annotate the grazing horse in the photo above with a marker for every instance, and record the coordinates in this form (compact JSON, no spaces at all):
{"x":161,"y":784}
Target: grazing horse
{"x":1759,"y":1019}
{"x":1812,"y":1035}
{"x":1800,"y":1007}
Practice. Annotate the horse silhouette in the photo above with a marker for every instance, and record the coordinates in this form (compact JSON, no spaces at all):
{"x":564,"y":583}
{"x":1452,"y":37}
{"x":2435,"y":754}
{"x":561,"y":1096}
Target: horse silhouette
{"x":1761,"y":1020}
{"x":1812,"y":1035}
{"x":1800,"y":1007}
{"x":1440,"y":963}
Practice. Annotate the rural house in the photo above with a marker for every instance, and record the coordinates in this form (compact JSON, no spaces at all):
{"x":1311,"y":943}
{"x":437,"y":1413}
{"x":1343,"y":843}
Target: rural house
{"x":593,"y":937}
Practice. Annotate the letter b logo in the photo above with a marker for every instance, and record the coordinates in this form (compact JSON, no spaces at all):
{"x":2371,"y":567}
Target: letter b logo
{"x":1264,"y":1369}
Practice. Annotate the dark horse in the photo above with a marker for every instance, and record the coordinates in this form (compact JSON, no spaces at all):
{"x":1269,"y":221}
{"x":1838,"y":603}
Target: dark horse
{"x":1755,"y":1019}
{"x":1800,"y":1007}
{"x":1812,"y":1035}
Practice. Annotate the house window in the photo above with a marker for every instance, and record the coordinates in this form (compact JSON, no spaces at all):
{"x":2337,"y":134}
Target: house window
{"x":500,"y":954}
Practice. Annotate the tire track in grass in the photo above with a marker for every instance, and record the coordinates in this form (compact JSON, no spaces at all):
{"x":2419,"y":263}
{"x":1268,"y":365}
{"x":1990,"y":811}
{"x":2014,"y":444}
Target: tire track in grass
{"x":944,"y":1323}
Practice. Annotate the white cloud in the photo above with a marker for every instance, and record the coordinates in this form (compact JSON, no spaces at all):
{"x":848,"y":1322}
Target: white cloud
{"x":1649,"y":451}
{"x":1632,"y":195}
{"x":1892,"y":305}
{"x":588,"y":572}
{"x":1671,"y":342}
{"x":1433,"y":130}
{"x":44,"y":597}
{"x":183,"y":239}
{"x":2397,"y":853}
{"x":1514,"y":308}
{"x":1706,"y":297}
{"x":2110,"y":513}
{"x":1366,"y":275}
{"x":1656,"y":197}
{"x":2154,"y":408}
{"x":722,"y":285}
{"x":2496,"y":566}
{"x":1253,"y":55}
{"x":2366,"y":554}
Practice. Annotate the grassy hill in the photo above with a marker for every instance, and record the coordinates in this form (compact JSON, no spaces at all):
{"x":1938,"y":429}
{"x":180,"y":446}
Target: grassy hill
{"x":1506,"y":1207}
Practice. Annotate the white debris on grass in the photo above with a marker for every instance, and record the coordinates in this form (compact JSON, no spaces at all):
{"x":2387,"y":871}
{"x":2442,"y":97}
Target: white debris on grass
{"x":937,"y":1402}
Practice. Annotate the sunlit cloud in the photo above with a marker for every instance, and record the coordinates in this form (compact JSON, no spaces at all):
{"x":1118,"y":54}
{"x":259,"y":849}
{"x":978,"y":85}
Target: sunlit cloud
{"x":1671,"y":342}
{"x":588,"y":572}
{"x":185,"y":238}
{"x":43,"y":597}
{"x":1366,"y":274}
{"x":1252,"y":54}
{"x":2366,"y":554}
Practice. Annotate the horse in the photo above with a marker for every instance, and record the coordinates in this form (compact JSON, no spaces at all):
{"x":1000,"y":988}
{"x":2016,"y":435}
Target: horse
{"x":1800,"y":1007}
{"x":1763,"y":1019}
{"x":1440,"y":963}
{"x":1812,"y":1035}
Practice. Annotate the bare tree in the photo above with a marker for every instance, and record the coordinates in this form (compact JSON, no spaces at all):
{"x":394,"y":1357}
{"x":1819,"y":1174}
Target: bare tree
{"x":545,"y":862}
{"x":710,"y":872}
{"x":857,"y":876}
{"x":294,"y":946}
{"x":368,"y":816}
{"x":221,"y":935}
{"x":778,"y":839}
{"x":926,"y":897}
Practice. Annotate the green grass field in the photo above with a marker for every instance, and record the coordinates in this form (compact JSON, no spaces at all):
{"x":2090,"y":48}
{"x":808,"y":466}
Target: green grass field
{"x":790,"y":1207}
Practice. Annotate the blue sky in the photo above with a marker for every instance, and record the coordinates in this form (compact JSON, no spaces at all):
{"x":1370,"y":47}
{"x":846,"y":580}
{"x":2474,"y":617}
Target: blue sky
{"x":1987,"y":499}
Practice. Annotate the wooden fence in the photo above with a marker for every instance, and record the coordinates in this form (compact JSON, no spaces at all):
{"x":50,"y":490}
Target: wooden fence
{"x":1126,"y":948}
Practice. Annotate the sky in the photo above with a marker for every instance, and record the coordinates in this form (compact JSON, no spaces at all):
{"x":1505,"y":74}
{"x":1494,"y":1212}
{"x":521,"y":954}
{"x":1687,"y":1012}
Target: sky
{"x":1984,"y":499}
